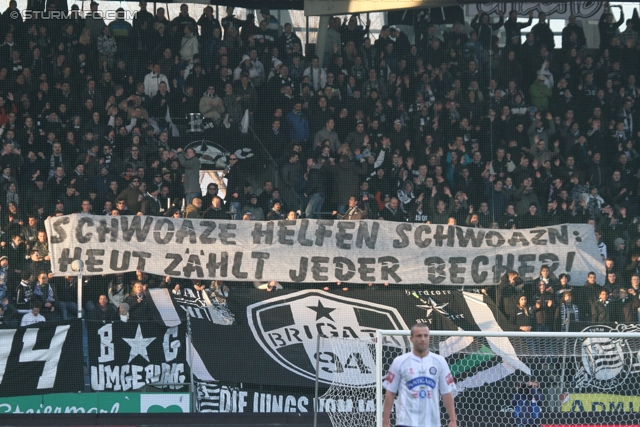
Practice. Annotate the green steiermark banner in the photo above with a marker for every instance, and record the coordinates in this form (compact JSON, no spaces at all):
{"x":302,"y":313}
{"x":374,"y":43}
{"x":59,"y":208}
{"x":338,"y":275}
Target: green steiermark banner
{"x":93,"y":403}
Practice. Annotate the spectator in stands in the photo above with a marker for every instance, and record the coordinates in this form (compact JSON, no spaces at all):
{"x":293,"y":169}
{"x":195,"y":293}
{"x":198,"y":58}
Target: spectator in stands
{"x":354,"y":212}
{"x":104,"y":312}
{"x":608,"y":27}
{"x":118,"y":290}
{"x":298,"y":124}
{"x":624,"y":309}
{"x":211,"y":105}
{"x":215,"y":211}
{"x":33,"y":316}
{"x":193,"y":208}
{"x":67,"y":290}
{"x":545,"y":308}
{"x":256,"y":212}
{"x":566,"y":312}
{"x":523,"y":316}
{"x":392,"y":211}
{"x":44,"y":292}
{"x":601,"y":308}
{"x":152,"y":81}
{"x":315,"y":187}
{"x":191,"y":164}
{"x":562,"y":286}
{"x":189,"y":44}
{"x":508,"y":292}
{"x":123,"y":312}
{"x":139,"y":303}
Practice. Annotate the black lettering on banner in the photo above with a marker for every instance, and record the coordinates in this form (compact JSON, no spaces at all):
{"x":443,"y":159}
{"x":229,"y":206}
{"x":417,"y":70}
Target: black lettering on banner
{"x":455,"y":269}
{"x":476,"y":275}
{"x":83,"y":238}
{"x":61,"y":235}
{"x":260,"y":256}
{"x":317,"y":268}
{"x":142,"y":256}
{"x":435,"y":269}
{"x":103,"y":229}
{"x":258,"y":234}
{"x":204,"y":236}
{"x":302,"y":234}
{"x":364,"y":236}
{"x":66,"y":260}
{"x":186,"y":230}
{"x":403,"y":242}
{"x":494,"y":239}
{"x":499,"y":269}
{"x":237,"y":267}
{"x":364,"y":270}
{"x":469,"y":235}
{"x":299,"y":277}
{"x":570,"y":257}
{"x":341,"y":275}
{"x":419,"y":240}
{"x":440,"y":237}
{"x":322,"y":232}
{"x":193,"y":265}
{"x":223,"y":265}
{"x":113,"y":263}
{"x":388,"y":267}
{"x":538,"y":233}
{"x":342,"y":237}
{"x":518,"y":237}
{"x":284,"y":232}
{"x":93,"y":262}
{"x":157,"y":231}
{"x":562,"y":236}
{"x":552,"y":261}
{"x":171,"y":268}
{"x":525,"y":268}
{"x":226,"y":237}
{"x":141,"y":232}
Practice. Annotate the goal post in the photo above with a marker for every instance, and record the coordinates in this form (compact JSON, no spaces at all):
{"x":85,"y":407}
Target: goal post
{"x":490,"y":365}
{"x":590,"y":378}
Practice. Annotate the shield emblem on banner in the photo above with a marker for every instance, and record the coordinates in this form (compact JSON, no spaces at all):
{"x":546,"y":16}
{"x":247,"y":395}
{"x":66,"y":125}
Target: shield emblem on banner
{"x":287,"y":328}
{"x":212,"y":155}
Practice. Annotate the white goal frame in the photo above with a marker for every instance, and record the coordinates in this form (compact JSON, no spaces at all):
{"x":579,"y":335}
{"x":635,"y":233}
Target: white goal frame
{"x":486,"y":334}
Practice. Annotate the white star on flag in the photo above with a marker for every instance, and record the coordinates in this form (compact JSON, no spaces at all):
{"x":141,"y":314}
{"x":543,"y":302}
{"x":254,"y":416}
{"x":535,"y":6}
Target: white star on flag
{"x":138,"y":345}
{"x":432,"y":305}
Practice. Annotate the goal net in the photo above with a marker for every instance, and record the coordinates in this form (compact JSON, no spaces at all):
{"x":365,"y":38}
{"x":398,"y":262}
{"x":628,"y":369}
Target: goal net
{"x":587,"y":378}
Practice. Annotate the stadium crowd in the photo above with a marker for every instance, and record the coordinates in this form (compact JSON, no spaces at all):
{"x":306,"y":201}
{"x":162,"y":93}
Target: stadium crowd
{"x":452,"y":129}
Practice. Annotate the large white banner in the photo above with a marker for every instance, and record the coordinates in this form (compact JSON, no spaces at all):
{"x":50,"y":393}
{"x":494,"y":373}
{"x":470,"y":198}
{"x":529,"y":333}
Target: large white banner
{"x":317,"y":250}
{"x":582,"y":10}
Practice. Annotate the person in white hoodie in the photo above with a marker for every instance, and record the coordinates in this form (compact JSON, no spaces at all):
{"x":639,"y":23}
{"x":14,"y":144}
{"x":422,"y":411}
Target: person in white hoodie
{"x":123,"y":312}
{"x":188,"y":45}
{"x":152,"y":81}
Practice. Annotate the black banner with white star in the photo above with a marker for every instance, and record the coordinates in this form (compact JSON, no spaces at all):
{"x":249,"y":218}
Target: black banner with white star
{"x":128,"y":356}
{"x":276,"y":343}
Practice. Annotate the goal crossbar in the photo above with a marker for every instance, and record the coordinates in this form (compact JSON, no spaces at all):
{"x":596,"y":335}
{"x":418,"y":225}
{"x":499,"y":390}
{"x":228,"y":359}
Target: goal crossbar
{"x":380,"y":334}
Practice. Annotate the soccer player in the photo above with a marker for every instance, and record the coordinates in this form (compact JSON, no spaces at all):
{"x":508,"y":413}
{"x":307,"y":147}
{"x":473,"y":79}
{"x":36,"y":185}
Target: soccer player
{"x":419,"y":378}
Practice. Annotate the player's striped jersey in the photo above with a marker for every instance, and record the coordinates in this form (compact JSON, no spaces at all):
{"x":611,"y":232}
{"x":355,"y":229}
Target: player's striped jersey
{"x":418,"y":383}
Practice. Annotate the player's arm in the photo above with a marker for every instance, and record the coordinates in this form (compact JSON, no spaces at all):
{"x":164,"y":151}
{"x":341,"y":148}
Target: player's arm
{"x":450,"y":406}
{"x":389,"y":398}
